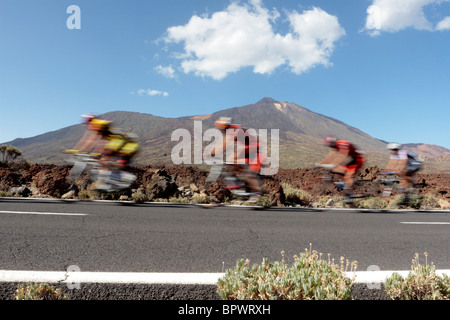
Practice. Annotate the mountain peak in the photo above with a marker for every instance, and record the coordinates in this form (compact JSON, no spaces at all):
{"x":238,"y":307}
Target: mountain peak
{"x":266,"y":100}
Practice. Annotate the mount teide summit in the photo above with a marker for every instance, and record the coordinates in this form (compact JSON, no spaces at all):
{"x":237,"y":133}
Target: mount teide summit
{"x":300,"y":130}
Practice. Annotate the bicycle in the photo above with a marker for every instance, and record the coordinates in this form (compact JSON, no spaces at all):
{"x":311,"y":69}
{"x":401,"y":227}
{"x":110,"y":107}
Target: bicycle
{"x":392,"y":183}
{"x":383,"y":185}
{"x":235,"y":182}
{"x":107,"y":181}
{"x":362,"y":188}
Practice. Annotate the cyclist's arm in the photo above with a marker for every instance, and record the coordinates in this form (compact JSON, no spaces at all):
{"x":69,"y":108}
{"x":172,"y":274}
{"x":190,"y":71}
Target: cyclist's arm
{"x":402,"y":164}
{"x":391,"y":166}
{"x":396,"y":165}
{"x":335,"y":157}
{"x":88,"y":141}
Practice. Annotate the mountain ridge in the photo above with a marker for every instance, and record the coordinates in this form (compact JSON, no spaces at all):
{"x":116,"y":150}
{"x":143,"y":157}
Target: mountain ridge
{"x":300,"y":130}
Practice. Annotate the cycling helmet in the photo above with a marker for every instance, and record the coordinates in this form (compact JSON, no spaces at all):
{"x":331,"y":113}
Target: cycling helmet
{"x":88,"y":117}
{"x":223,"y":123}
{"x":329,"y":140}
{"x":393,"y":146}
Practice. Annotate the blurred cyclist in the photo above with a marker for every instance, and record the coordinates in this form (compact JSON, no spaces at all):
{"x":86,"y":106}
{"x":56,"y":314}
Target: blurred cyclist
{"x":404,"y":163}
{"x":344,"y":158}
{"x":114,"y":148}
{"x":246,"y":161}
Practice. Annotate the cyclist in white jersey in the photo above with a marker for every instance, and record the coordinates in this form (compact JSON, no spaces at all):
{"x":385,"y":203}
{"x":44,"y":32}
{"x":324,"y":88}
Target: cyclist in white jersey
{"x":404,"y":163}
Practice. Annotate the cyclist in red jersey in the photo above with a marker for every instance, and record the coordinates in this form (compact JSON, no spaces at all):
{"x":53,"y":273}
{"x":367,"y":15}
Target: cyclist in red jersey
{"x":247,"y":161}
{"x":250,"y":157}
{"x":344,"y":158}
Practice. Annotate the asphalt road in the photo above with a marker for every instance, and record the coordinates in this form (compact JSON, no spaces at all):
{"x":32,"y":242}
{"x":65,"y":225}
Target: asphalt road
{"x":111,"y":237}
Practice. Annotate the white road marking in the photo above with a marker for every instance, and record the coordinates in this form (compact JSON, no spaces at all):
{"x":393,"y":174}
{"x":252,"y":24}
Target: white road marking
{"x":162,"y":277}
{"x":425,"y":222}
{"x":46,"y":213}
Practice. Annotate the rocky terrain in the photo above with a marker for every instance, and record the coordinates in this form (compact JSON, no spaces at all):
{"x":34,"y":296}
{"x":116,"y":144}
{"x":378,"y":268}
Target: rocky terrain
{"x":187,"y":184}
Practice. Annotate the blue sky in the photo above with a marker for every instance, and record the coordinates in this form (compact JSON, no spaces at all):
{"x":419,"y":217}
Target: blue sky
{"x":382,"y":66}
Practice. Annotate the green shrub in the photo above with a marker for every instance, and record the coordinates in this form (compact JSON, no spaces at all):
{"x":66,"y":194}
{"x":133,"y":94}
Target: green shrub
{"x":139,"y":197}
{"x":178,"y":200}
{"x":309,"y":278}
{"x":430,"y":202}
{"x":40,"y":291}
{"x":201,"y":199}
{"x":371,"y":203}
{"x":264,"y":202}
{"x":5,"y":194}
{"x":296,"y":196}
{"x":421,"y":284}
{"x":402,"y":201}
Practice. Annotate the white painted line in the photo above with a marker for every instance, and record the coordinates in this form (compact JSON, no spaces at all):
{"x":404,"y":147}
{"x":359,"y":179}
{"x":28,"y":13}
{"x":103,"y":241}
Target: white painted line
{"x":144,"y":278}
{"x":46,"y":213}
{"x":31,"y":276}
{"x":425,"y":222}
{"x":381,"y":276}
{"x":162,"y":277}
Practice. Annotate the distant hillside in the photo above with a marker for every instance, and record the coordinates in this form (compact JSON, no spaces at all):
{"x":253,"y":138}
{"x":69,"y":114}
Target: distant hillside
{"x":301,"y":132}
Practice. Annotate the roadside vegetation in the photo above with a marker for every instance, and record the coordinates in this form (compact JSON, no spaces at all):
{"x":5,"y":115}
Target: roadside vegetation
{"x":12,"y":157}
{"x":311,"y":276}
{"x":39,"y":291}
{"x":315,"y":277}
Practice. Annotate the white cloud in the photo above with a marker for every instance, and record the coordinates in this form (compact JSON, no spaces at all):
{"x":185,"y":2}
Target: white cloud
{"x":444,"y":24}
{"x":396,"y":15}
{"x":167,"y":72}
{"x":151,"y":92}
{"x":242,"y":36}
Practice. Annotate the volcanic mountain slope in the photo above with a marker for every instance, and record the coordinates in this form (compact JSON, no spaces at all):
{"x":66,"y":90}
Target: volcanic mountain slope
{"x":300,"y":131}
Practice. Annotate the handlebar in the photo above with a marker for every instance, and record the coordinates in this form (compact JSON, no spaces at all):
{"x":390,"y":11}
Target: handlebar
{"x":325,"y":165}
{"x":388,"y":173}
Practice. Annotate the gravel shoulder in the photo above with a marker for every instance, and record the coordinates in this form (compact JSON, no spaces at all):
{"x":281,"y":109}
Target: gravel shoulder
{"x":91,"y":291}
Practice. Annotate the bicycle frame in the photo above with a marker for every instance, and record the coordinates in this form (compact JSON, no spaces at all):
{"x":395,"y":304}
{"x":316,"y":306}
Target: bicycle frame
{"x":231,"y":179}
{"x":83,"y":162}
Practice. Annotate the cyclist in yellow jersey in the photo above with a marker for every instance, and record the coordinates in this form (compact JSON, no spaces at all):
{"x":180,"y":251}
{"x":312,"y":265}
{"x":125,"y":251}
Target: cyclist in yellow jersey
{"x":114,"y":148}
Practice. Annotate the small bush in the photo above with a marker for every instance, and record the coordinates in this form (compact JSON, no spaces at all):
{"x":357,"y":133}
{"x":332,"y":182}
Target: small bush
{"x":5,"y":194}
{"x":296,"y":196}
{"x":430,"y":202}
{"x":139,"y":197}
{"x":402,"y":201}
{"x":264,"y":202}
{"x":309,"y":278}
{"x":371,"y":203}
{"x":444,"y":204}
{"x":39,"y":292}
{"x":421,"y":284}
{"x":201,"y":199}
{"x":178,"y":200}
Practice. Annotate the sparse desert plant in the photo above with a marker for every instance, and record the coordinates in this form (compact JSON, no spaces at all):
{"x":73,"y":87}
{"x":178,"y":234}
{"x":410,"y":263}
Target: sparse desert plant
{"x":444,"y":204}
{"x":179,"y":200}
{"x":6,"y":194}
{"x":264,"y":202}
{"x":201,"y":199}
{"x":331,"y":201}
{"x":371,"y":203}
{"x":421,"y":284}
{"x":296,"y":196}
{"x":402,"y":201}
{"x":139,"y":197}
{"x":429,"y":201}
{"x":309,"y":278}
{"x":41,"y":291}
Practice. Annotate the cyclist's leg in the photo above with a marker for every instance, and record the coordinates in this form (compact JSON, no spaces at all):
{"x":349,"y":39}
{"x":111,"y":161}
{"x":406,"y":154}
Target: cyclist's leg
{"x":253,"y":171}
